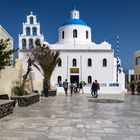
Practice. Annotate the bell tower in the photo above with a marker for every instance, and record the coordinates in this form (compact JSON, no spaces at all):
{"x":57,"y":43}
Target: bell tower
{"x":31,"y":33}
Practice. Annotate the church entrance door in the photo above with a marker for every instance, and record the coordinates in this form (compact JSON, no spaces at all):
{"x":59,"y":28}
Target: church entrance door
{"x":74,"y":78}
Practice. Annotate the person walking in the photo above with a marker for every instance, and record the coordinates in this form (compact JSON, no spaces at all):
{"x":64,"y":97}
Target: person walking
{"x":71,"y":89}
{"x":65,"y":86}
{"x":138,"y":88}
{"x":94,"y":89}
{"x":132,"y":87}
{"x":81,"y":87}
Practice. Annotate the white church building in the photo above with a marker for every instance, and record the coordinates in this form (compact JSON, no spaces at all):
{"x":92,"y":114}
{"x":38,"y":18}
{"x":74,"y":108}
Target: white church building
{"x":81,"y":59}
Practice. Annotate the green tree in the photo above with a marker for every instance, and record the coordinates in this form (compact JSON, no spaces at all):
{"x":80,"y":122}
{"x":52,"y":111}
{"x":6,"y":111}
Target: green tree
{"x":5,"y":54}
{"x":47,"y":60}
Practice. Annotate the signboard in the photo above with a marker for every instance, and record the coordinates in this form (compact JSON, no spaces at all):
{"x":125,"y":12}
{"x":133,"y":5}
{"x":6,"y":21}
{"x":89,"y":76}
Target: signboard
{"x":74,"y":70}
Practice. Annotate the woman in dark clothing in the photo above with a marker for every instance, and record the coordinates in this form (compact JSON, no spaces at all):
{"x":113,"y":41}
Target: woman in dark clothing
{"x":94,"y":89}
{"x":138,"y":88}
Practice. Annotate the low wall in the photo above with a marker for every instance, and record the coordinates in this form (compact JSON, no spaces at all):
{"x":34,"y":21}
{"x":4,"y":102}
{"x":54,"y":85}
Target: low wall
{"x":26,"y":100}
{"x":6,"y":107}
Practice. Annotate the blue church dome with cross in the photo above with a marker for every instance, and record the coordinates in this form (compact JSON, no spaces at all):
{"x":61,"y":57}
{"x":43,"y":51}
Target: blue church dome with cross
{"x":75,"y":19}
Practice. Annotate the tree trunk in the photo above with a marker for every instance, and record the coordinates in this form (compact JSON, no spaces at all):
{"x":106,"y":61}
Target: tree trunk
{"x":24,"y":78}
{"x":47,"y":82}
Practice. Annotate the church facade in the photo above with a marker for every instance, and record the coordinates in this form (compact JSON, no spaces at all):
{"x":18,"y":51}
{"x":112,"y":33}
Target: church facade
{"x":81,"y":59}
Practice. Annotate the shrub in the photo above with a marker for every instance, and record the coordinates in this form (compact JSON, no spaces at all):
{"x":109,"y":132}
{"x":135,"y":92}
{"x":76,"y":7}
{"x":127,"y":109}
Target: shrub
{"x":17,"y":89}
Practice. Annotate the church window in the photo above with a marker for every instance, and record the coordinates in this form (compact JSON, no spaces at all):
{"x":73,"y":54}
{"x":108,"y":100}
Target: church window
{"x":89,"y":62}
{"x":63,"y":34}
{"x":30,"y":43}
{"x":37,"y":42}
{"x":60,"y":63}
{"x":74,"y":62}
{"x":31,"y":20}
{"x":74,"y":33}
{"x":27,"y":30}
{"x":89,"y":79}
{"x":59,"y":79}
{"x":86,"y":34}
{"x":34,"y":31}
{"x":104,"y":62}
{"x":23,"y":43}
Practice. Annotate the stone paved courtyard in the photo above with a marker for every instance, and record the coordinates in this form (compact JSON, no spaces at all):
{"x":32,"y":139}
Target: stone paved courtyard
{"x":74,"y":118}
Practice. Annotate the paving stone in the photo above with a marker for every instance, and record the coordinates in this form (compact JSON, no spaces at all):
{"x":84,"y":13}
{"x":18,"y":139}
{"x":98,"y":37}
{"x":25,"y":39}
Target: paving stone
{"x":74,"y":118}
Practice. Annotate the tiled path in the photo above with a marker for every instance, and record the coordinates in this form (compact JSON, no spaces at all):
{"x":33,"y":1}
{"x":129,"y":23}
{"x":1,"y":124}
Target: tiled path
{"x":74,"y":118}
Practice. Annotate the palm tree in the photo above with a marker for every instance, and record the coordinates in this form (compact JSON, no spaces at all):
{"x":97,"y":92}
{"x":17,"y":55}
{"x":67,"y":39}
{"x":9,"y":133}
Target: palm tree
{"x":47,"y":60}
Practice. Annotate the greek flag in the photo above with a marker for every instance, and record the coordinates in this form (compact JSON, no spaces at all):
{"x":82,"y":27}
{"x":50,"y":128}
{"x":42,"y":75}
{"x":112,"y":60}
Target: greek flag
{"x":119,"y":67}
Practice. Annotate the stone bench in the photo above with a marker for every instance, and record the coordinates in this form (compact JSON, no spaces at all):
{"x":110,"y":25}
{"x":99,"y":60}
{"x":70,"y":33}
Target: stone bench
{"x":26,"y":100}
{"x":6,"y":107}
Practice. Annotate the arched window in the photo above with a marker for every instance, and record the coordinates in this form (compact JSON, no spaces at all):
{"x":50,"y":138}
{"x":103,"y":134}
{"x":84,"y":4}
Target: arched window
{"x":86,"y":34}
{"x":89,"y":79}
{"x":60,"y":63}
{"x":74,"y":33}
{"x":30,"y":43}
{"x":37,"y":41}
{"x":28,"y":31}
{"x":89,"y":62}
{"x":31,"y":20}
{"x":59,"y":79}
{"x":63,"y":34}
{"x":74,"y":62}
{"x":34,"y":29}
{"x":104,"y":62}
{"x":23,"y":43}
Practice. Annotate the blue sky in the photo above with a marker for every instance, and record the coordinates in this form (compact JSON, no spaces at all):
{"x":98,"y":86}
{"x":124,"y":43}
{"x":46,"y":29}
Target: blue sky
{"x":107,"y":18}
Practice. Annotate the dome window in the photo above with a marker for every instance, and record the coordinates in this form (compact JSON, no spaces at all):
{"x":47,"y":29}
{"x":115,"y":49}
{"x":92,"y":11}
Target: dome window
{"x":104,"y":62}
{"x":86,"y":34}
{"x":63,"y":34}
{"x":74,"y":33}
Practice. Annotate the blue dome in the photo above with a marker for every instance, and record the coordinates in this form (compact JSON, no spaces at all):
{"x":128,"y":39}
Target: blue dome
{"x":75,"y":21}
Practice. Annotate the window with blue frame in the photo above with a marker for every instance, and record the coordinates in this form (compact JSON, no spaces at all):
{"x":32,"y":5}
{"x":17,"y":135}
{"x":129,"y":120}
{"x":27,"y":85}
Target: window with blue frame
{"x":23,"y":43}
{"x":34,"y":30}
{"x":31,"y":20}
{"x":30,"y":43}
{"x":28,"y":32}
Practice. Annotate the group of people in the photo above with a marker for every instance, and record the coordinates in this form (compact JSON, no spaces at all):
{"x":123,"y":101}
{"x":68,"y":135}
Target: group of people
{"x":74,"y":88}
{"x":134,"y":87}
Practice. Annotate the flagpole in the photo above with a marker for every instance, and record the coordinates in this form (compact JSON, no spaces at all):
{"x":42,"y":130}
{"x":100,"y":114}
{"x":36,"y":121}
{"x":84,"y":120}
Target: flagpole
{"x":117,"y":59}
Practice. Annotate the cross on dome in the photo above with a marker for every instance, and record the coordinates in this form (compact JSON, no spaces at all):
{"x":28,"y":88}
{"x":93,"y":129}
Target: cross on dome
{"x":75,"y":14}
{"x":31,"y":13}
